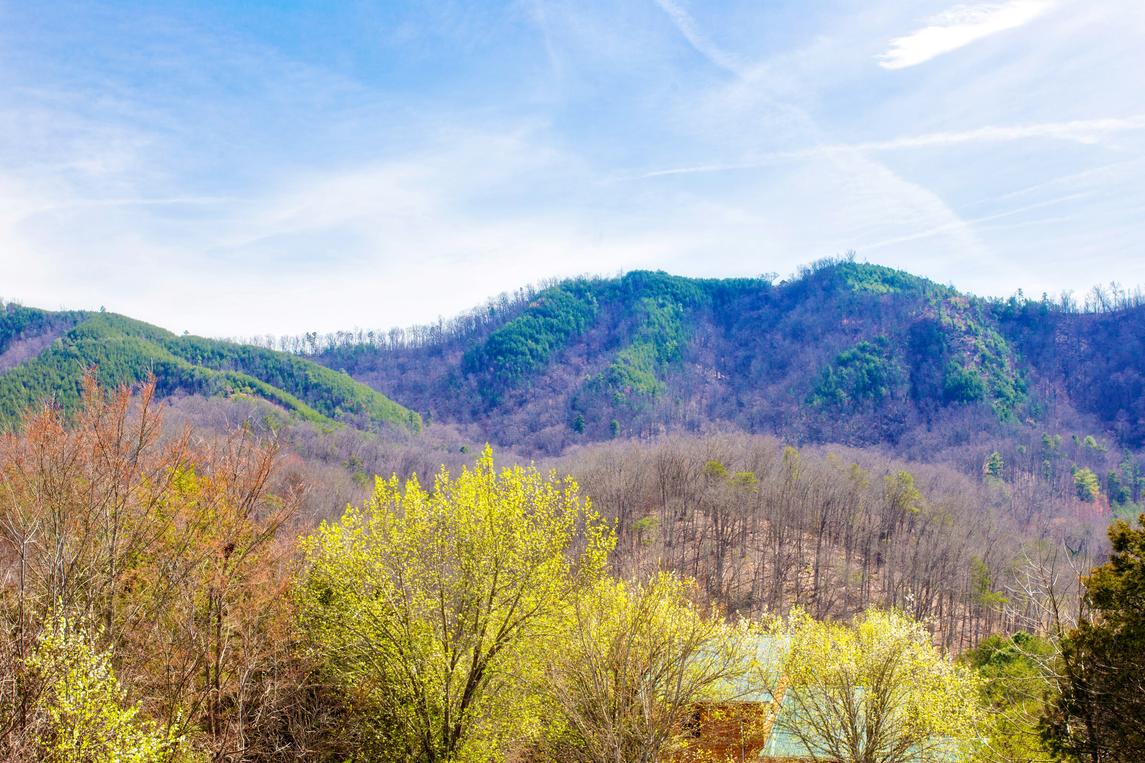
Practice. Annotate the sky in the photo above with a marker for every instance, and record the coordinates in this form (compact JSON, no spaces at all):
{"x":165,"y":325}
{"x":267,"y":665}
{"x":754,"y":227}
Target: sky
{"x":250,"y":167}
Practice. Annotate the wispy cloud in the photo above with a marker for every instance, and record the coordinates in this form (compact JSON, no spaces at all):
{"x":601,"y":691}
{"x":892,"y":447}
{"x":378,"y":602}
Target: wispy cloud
{"x":331,"y":176}
{"x":699,"y":41}
{"x":957,"y":27}
{"x":963,"y":223}
{"x":1079,"y":131}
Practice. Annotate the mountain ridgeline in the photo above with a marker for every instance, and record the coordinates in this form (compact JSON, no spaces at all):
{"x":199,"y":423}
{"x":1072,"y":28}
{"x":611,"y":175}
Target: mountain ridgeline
{"x":847,"y":352}
{"x":45,"y":355}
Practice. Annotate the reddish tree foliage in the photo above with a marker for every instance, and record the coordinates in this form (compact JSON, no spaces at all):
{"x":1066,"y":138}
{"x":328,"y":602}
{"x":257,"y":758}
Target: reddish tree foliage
{"x":172,"y":543}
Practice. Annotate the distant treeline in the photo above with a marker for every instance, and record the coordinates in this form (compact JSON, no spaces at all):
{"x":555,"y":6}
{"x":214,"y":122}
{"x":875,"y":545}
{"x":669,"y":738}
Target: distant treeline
{"x":1100,"y":298}
{"x":475,"y":321}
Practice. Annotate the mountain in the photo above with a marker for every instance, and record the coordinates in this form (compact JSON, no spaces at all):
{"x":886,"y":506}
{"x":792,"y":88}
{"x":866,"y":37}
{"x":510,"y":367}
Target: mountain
{"x":847,"y":352}
{"x":44,"y":355}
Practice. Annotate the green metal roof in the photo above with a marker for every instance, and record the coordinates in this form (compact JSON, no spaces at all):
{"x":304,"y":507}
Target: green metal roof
{"x":764,"y":658}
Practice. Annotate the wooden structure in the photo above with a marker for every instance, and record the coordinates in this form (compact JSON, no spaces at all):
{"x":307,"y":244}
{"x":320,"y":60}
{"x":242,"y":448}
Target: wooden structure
{"x":738,"y":730}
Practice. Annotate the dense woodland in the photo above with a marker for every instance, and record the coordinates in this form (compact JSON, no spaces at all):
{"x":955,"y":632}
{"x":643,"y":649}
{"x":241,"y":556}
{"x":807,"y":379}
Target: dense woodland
{"x":763,"y":526}
{"x":856,"y":451}
{"x":169,"y":595}
{"x":46,"y":356}
{"x":846,"y":352}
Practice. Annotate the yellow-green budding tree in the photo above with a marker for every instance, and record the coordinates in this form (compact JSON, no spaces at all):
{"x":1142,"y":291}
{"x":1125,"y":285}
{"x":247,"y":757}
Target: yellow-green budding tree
{"x":81,"y":714}
{"x":877,"y":691}
{"x":634,"y":663}
{"x":432,"y":608}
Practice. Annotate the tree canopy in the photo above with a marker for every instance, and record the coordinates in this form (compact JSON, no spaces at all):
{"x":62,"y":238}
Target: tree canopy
{"x":1098,"y":713}
{"x":432,"y":606}
{"x":636,"y":659}
{"x":875,"y":691}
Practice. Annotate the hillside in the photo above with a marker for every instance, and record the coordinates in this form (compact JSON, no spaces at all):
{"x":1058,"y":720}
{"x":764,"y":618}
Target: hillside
{"x":44,"y":355}
{"x":1021,"y":417}
{"x":848,"y":352}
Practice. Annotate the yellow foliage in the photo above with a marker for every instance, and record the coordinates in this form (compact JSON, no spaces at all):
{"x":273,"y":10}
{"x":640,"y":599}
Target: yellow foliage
{"x":432,"y":605}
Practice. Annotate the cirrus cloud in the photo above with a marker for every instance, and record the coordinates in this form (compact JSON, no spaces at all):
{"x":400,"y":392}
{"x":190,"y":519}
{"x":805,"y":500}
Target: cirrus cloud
{"x":957,"y":27}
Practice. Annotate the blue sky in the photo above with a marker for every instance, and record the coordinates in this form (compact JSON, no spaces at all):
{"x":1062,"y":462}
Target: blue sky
{"x":241,"y":168}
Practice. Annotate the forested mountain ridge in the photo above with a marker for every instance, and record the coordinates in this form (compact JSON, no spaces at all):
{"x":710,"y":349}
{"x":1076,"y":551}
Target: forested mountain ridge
{"x":44,"y":355}
{"x":1022,"y":413}
{"x":847,"y":352}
